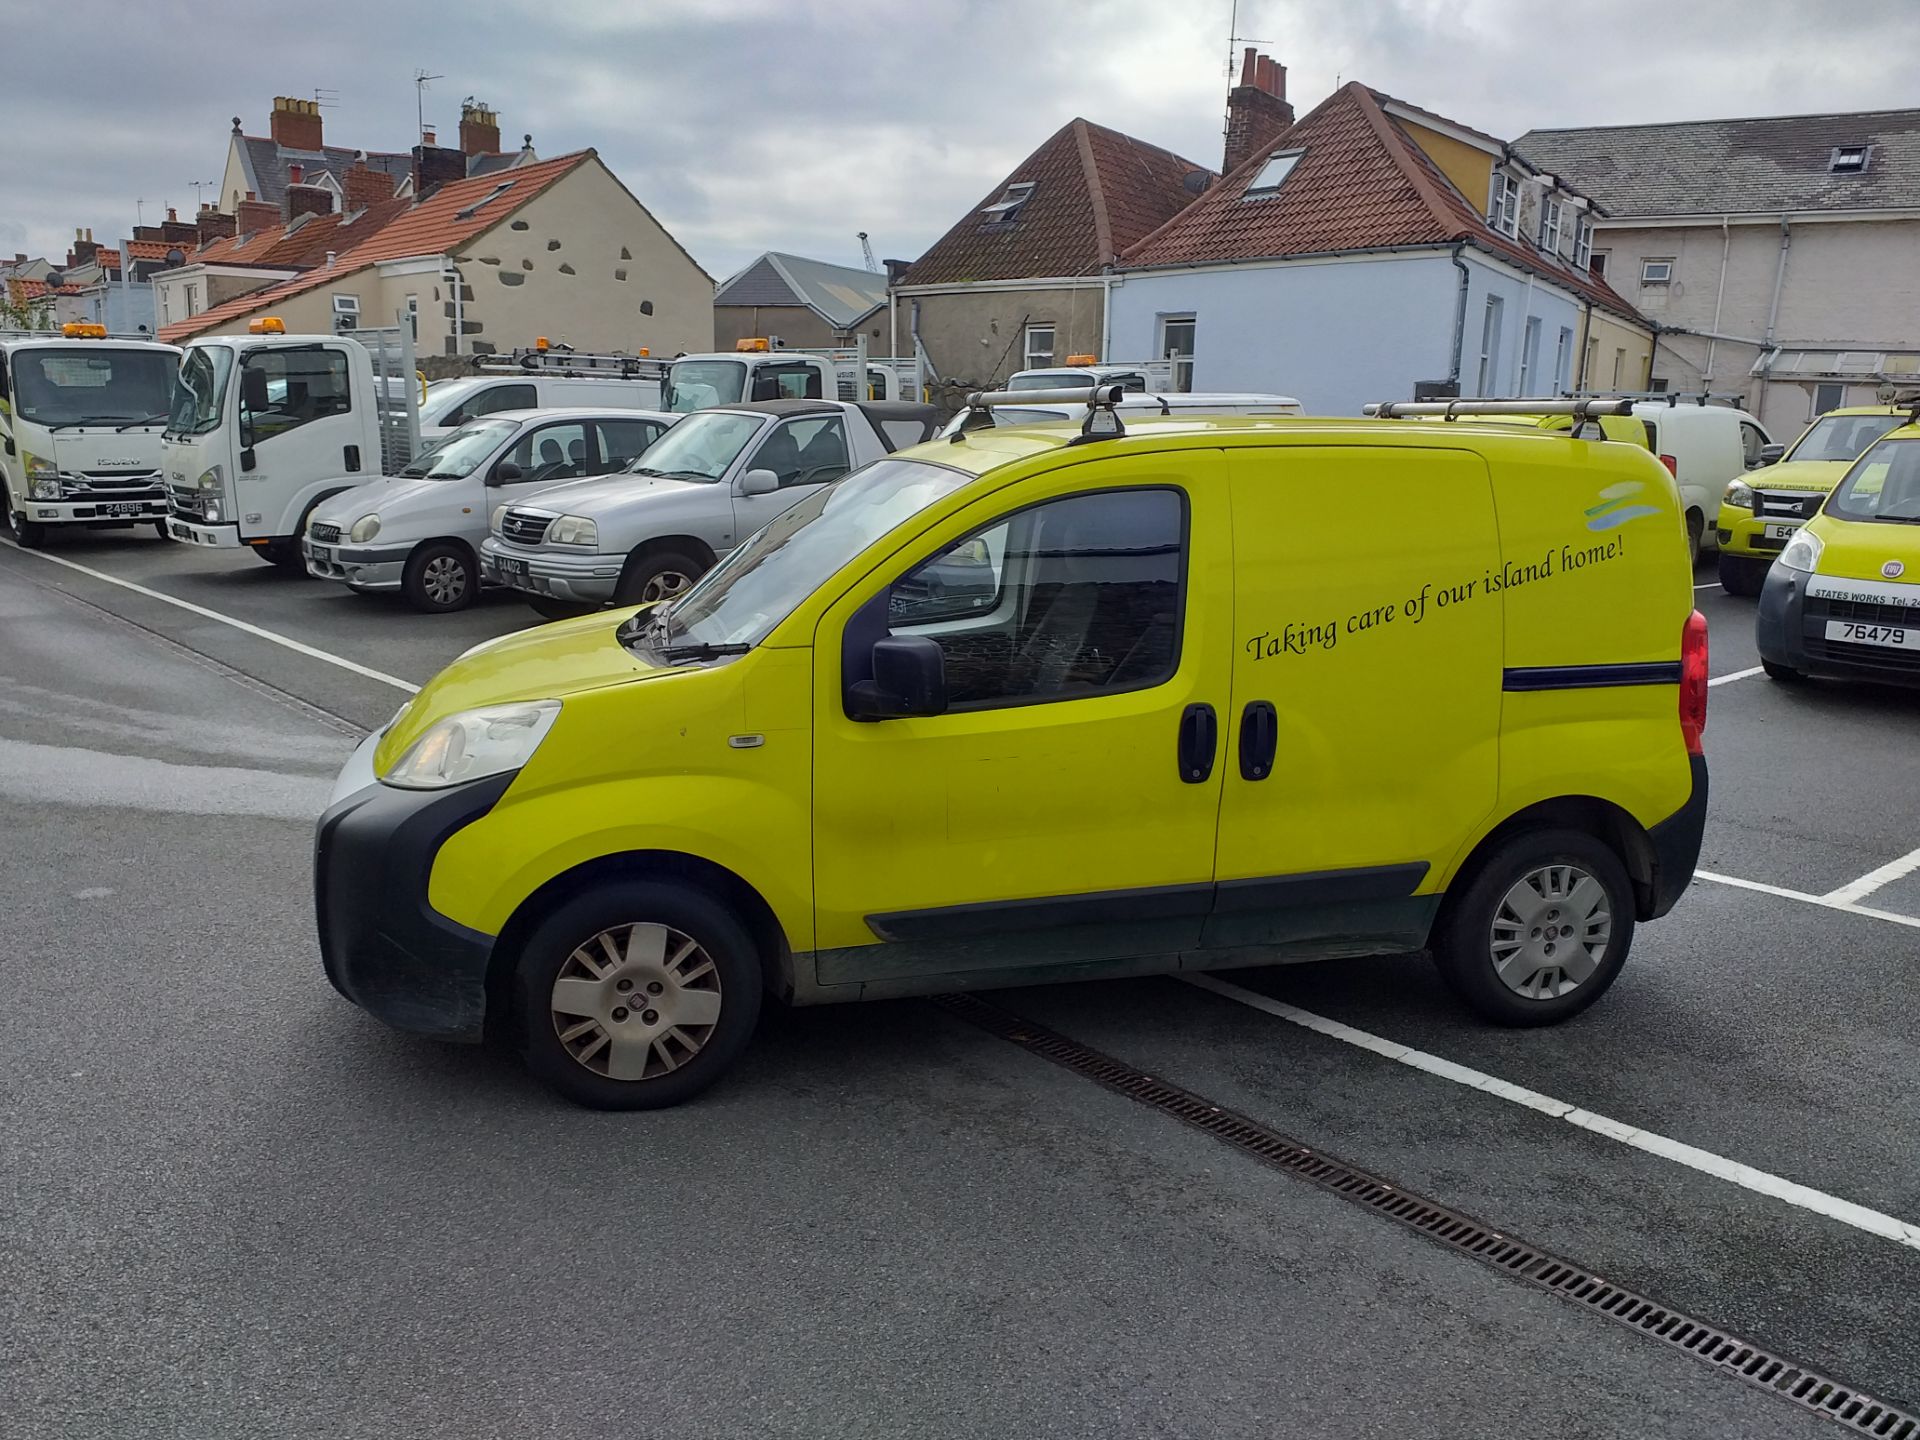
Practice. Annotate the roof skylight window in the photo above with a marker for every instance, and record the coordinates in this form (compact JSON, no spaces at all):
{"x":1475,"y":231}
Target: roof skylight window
{"x":1007,"y":207}
{"x":1273,"y":174}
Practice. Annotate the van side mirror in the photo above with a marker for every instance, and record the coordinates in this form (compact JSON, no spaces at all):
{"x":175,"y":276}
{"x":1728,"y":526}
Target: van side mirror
{"x":505,"y":473}
{"x":909,"y":678}
{"x":253,"y":389}
{"x":1769,"y":455}
{"x":759,"y":482}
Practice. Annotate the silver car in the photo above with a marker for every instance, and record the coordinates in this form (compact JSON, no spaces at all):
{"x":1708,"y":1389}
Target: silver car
{"x":710,"y":482}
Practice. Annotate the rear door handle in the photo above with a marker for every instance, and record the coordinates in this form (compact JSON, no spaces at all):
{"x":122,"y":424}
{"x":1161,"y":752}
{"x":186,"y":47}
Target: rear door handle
{"x":1199,"y":738}
{"x":1259,"y":739}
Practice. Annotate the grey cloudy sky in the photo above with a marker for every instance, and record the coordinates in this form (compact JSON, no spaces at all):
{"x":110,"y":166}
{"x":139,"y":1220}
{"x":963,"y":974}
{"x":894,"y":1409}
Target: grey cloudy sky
{"x":747,"y":125}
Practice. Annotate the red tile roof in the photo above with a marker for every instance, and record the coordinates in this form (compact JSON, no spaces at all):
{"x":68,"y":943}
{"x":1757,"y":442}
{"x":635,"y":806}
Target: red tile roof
{"x":1361,"y":184}
{"x":1095,"y":192}
{"x":298,"y":246}
{"x":432,"y":226}
{"x":150,"y":249}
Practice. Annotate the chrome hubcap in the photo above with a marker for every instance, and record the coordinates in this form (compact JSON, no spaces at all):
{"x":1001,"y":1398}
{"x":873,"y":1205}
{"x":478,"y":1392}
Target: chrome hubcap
{"x":444,"y":579}
{"x":636,"y":1001}
{"x":1550,"y":931}
{"x":664,"y":586}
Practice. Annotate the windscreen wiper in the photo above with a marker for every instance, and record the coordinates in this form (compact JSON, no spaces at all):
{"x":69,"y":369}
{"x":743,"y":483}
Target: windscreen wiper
{"x":701,"y":650}
{"x":143,"y":420}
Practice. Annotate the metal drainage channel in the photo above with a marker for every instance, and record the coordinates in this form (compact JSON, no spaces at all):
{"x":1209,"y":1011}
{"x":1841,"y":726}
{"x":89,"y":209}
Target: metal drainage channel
{"x":1726,"y":1352}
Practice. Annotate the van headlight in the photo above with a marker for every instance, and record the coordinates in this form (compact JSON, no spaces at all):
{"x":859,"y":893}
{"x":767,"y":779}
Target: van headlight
{"x":209,"y":479}
{"x":1739,"y":495}
{"x":1803,"y":551}
{"x":498,"y":518}
{"x":474,"y":744}
{"x":364,"y":529}
{"x":574,"y":530}
{"x":43,"y":476}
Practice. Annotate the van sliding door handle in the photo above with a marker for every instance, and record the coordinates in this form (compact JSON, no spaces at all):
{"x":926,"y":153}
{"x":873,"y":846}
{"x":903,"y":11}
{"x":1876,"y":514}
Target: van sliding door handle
{"x":1199,"y":738}
{"x":1259,"y":739}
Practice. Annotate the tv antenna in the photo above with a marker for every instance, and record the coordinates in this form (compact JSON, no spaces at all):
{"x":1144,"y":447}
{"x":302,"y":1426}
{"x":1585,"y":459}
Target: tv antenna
{"x":199,"y":201}
{"x":326,"y":99}
{"x":866,"y":249}
{"x":1235,"y":39}
{"x":421,"y":79}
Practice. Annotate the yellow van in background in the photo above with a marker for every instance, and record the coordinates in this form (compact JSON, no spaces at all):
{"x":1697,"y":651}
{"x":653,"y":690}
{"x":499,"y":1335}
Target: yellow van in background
{"x":1050,"y":703}
{"x":1762,"y":510}
{"x":1843,"y":600}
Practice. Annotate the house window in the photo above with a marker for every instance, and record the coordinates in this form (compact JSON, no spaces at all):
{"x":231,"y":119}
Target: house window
{"x":1849,"y":159}
{"x":346,"y":313}
{"x":1563,"y":362}
{"x":1550,"y":226}
{"x":1529,"y":356}
{"x":1658,"y":385}
{"x":1587,"y":361}
{"x":1007,"y":208}
{"x":1619,"y":366}
{"x":1582,"y":243}
{"x":1828,"y":397}
{"x":1490,"y":346}
{"x":1273,"y":174}
{"x":1503,"y":204}
{"x":193,"y":302}
{"x":1599,"y":265}
{"x":1656,"y":272}
{"x":1176,"y":347}
{"x":1039,"y":347}
{"x":413,"y":315}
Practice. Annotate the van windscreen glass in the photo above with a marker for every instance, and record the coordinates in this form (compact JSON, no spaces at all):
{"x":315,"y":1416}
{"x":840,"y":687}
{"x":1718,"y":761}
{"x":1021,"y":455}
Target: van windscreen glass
{"x":202,"y":386}
{"x":1883,"y":485}
{"x":1843,"y":437}
{"x":696,"y":384}
{"x":92,"y":385}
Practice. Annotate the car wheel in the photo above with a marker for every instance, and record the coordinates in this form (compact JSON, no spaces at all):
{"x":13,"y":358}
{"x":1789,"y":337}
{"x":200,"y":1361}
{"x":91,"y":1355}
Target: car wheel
{"x":549,"y":608}
{"x":657,"y":575}
{"x":1541,"y":929}
{"x":284,"y":554}
{"x":1783,"y":674}
{"x":160,"y":529}
{"x":1741,"y":576}
{"x":439,"y":578}
{"x":636,"y":996}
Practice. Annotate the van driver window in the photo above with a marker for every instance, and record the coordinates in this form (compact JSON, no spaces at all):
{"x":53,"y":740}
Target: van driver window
{"x":1079,"y":596}
{"x":302,"y":385}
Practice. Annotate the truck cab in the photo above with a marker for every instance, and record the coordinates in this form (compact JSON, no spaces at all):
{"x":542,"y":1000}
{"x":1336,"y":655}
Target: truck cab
{"x":753,"y":370}
{"x":80,"y":423}
{"x":1134,"y":377}
{"x":265,"y":426}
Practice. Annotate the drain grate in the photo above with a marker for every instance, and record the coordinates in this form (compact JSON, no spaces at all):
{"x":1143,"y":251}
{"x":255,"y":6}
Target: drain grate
{"x":1819,"y":1393}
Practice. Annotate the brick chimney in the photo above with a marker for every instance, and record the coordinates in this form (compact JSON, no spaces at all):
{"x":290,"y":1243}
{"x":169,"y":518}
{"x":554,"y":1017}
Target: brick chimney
{"x":366,"y":186}
{"x":175,"y":231}
{"x":1257,"y":108}
{"x":83,"y":248}
{"x":210,"y":224}
{"x":434,"y":165}
{"x":308,"y":200}
{"x":479,"y":129}
{"x":254,"y":215}
{"x":295,"y":123}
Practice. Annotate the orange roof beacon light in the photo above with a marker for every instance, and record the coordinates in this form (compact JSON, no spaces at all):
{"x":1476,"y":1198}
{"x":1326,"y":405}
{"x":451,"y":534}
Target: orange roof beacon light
{"x":80,"y":330}
{"x":754,"y":345}
{"x":540,"y":342}
{"x":267,"y":325}
{"x":645,"y":351}
{"x":1083,"y":359}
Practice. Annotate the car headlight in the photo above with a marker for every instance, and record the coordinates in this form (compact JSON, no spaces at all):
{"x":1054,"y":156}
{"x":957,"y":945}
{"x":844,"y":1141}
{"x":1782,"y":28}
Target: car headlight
{"x":364,"y":529}
{"x":48,"y":489}
{"x":43,"y":478}
{"x":498,"y":517}
{"x":209,"y":479}
{"x":1739,"y":495}
{"x":574,"y":530}
{"x":1803,"y":551}
{"x":474,"y":744}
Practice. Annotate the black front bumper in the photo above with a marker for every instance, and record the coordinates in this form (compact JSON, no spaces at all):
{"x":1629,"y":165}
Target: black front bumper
{"x":1791,"y":630}
{"x":1676,"y":846}
{"x":385,"y":948}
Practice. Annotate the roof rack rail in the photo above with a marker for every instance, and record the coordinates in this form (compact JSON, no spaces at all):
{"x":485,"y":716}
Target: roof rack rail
{"x":1102,"y":422}
{"x":1671,"y":397}
{"x":565,"y":361}
{"x":1585,"y":409}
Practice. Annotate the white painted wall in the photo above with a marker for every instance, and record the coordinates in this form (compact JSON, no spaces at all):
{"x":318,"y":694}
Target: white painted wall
{"x":1337,"y":334}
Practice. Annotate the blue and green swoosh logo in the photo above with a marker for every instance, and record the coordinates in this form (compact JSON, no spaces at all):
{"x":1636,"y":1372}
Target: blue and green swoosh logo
{"x":1616,"y":506}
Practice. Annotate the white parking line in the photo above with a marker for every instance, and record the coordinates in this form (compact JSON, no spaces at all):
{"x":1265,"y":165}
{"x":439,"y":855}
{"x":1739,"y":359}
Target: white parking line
{"x":1825,"y":902}
{"x":1874,"y":1222}
{"x":1857,"y":890}
{"x":1736,"y":675}
{"x":311,"y":652}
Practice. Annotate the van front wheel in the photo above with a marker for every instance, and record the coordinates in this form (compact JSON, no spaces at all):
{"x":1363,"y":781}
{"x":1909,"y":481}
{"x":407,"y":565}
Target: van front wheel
{"x":1541,"y":929}
{"x":636,"y":996}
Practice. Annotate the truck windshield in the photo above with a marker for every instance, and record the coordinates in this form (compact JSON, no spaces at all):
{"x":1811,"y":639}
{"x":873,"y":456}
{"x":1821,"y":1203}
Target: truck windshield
{"x":1883,"y":485}
{"x":1843,"y":437}
{"x":696,"y":384}
{"x":461,"y":453}
{"x":201,"y":386}
{"x":91,"y":385}
{"x":700,"y":447}
{"x":1050,"y":380}
{"x":741,"y":599}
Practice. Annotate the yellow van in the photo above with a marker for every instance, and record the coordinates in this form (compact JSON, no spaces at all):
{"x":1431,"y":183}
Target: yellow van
{"x":1761,"y":510}
{"x":1044,"y":703}
{"x":1843,"y":599}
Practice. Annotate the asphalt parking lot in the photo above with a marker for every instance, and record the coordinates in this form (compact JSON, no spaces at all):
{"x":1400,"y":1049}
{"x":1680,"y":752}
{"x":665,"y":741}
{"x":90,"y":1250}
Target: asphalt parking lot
{"x":238,"y":1206}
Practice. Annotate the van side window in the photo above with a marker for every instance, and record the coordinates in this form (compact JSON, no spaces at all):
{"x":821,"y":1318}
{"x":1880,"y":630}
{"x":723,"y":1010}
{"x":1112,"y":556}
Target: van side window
{"x":304,"y":384}
{"x":494,"y":397}
{"x":1075,"y":597}
{"x":1751,"y":439}
{"x":787,"y":382}
{"x":805,"y":452}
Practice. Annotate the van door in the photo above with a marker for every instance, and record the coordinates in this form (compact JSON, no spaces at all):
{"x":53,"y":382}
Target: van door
{"x":1059,"y":818}
{"x":803,"y":455}
{"x":297,"y":423}
{"x":1365,"y":735}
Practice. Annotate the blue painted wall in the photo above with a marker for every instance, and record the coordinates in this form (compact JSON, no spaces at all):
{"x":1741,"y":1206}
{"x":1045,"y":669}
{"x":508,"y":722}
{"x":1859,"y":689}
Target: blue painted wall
{"x":1339,"y":335}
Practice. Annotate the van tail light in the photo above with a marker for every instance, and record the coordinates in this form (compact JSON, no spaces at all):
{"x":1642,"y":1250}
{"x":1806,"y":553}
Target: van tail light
{"x":1673,"y":465}
{"x":1693,"y":681}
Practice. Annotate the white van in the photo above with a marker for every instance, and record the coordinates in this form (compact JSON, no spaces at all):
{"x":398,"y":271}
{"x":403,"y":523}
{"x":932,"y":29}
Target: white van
{"x":449,"y":404}
{"x":1704,"y":446}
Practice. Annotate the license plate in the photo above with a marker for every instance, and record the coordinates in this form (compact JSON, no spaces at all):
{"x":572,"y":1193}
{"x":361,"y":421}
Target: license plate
{"x":1896,"y":637}
{"x":514,"y":572}
{"x":121,"y":507}
{"x":1776,"y":531}
{"x":180,"y":532}
{"x":322,"y":553}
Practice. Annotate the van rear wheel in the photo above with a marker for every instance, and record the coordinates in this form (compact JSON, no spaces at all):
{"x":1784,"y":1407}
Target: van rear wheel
{"x":636,"y":995}
{"x":1540,"y":930}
